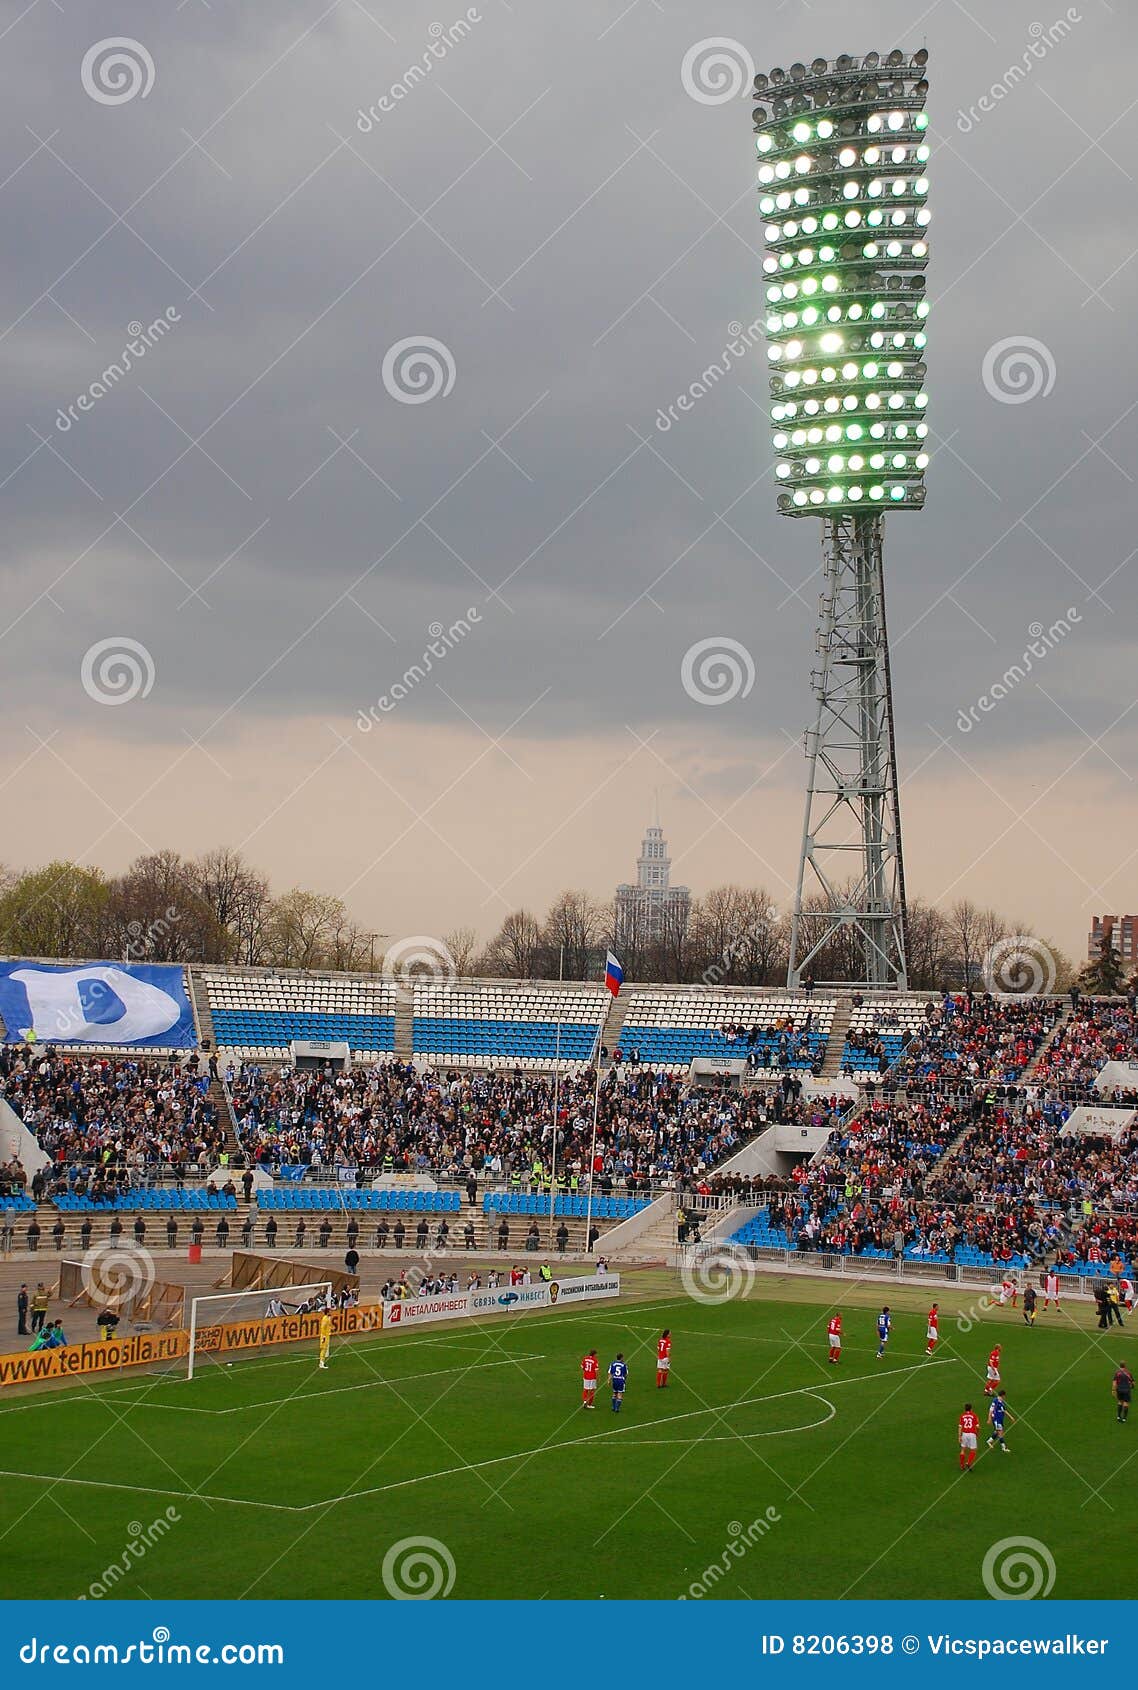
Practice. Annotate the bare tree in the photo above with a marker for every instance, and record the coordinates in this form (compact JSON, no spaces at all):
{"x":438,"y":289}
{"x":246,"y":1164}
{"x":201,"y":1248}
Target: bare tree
{"x":462,"y":943}
{"x":239,"y":897}
{"x":930,"y":946}
{"x":575,"y":924}
{"x":512,"y":950}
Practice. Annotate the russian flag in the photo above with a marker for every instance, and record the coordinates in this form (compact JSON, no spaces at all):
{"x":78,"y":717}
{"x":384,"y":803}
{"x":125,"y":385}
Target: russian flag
{"x":614,"y":974}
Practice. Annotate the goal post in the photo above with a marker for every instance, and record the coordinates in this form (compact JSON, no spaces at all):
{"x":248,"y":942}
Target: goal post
{"x":248,"y":1309}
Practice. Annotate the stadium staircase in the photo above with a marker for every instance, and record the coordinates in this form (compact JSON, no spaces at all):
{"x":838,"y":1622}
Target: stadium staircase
{"x":203,"y":1019}
{"x":404,"y":1026}
{"x":219,"y":1097}
{"x":832,"y":1067}
{"x":614,"y":1021}
{"x":1060,"y":1025}
{"x":952,"y":1150}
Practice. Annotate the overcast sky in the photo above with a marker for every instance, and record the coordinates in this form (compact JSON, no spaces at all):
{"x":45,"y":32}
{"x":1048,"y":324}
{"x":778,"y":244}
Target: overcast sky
{"x":271,"y":509}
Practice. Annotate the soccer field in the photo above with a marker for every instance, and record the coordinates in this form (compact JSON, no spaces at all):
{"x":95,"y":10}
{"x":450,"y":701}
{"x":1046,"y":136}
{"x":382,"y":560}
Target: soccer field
{"x":270,"y":1479}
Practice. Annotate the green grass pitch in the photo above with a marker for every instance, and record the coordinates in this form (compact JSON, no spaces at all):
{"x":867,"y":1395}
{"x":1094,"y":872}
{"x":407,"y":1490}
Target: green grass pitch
{"x":288,"y":1482}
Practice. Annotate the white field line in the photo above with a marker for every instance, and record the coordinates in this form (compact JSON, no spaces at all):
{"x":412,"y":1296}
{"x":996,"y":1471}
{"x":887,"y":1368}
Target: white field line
{"x":589,"y":1441}
{"x":375,"y":1383}
{"x":451,"y":1339}
{"x":118,"y":1392}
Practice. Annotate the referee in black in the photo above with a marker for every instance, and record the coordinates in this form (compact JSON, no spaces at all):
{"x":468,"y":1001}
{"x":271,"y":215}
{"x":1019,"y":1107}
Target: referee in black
{"x":1123,"y":1391}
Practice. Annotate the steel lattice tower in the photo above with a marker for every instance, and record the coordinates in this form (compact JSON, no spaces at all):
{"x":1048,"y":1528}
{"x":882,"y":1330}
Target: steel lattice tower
{"x":842,"y":155}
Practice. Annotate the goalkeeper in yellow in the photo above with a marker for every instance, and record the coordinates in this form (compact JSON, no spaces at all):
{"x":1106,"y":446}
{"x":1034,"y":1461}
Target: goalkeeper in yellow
{"x":325,"y":1337}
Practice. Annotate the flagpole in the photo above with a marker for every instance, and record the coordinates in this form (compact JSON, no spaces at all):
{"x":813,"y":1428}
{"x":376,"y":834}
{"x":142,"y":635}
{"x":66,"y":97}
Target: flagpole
{"x":593,"y":1146}
{"x":556,"y":1098}
{"x":614,"y":979}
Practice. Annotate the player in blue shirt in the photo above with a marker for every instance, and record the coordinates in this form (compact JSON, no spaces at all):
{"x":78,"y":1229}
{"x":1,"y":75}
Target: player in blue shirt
{"x":618,"y":1378}
{"x":884,"y":1322}
{"x":997,"y":1414}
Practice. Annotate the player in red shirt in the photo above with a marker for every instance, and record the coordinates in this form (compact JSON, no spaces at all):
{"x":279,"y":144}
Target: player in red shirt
{"x":934,"y":1329}
{"x":663,"y":1358}
{"x":589,"y":1380}
{"x":992,"y":1384}
{"x":834,"y":1335}
{"x":968,"y":1427}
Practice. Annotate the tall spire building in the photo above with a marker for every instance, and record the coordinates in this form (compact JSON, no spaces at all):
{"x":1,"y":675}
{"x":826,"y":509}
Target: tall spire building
{"x":653,"y":909}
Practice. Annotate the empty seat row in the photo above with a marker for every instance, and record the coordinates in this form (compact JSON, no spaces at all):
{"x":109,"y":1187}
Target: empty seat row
{"x":332,"y":1198}
{"x":179,"y":1199}
{"x":526,"y":1203}
{"x":539,"y":1040}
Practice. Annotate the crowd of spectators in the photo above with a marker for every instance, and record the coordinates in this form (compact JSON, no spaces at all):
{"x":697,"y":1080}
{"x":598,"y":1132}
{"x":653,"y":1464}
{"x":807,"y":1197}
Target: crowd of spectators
{"x":971,"y":1039}
{"x":1096,"y":1033}
{"x":1013,"y":1185}
{"x":109,"y":1122}
{"x":651,"y":1129}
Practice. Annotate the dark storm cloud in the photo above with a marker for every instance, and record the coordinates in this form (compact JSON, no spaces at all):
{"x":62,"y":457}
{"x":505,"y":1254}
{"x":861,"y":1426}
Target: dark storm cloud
{"x":582,"y":273}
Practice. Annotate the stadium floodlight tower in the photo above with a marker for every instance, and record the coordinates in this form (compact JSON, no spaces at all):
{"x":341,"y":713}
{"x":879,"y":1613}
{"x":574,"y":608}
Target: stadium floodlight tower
{"x":842,"y":159}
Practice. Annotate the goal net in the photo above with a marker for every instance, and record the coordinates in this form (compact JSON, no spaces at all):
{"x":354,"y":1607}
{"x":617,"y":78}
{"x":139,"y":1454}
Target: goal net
{"x":230,"y":1325}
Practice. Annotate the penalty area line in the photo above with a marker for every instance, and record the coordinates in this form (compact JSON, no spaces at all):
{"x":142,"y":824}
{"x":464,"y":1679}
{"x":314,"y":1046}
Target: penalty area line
{"x":617,"y":1431}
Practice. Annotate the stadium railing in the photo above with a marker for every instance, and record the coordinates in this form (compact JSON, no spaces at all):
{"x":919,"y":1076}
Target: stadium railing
{"x":1075,"y":1281}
